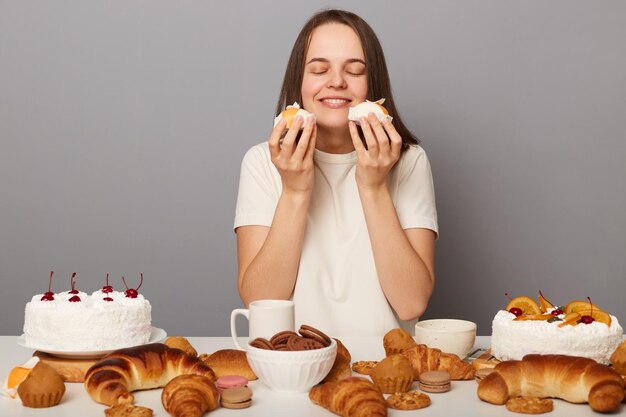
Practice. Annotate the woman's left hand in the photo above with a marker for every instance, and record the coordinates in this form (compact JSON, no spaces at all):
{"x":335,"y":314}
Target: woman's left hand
{"x":383,"y":151}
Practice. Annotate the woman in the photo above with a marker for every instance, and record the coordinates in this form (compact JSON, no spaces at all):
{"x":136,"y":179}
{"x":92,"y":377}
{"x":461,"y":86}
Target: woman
{"x":344,"y":226}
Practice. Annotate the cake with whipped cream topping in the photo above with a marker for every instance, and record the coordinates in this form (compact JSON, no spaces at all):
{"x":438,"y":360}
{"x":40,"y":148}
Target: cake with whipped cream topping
{"x":100,"y":321}
{"x":549,"y":329}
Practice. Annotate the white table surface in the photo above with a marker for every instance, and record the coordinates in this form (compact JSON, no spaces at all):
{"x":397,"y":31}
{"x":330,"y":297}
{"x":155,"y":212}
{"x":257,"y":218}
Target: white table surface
{"x":460,"y":401}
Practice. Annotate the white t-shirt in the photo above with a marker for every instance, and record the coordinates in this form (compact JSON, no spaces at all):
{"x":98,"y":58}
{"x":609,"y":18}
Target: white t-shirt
{"x":337,"y":288}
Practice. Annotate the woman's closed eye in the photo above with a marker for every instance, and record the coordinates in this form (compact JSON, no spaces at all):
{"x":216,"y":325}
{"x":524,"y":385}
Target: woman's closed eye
{"x":355,"y":69}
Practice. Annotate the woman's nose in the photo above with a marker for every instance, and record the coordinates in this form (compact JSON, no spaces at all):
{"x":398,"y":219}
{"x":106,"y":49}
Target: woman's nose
{"x":337,"y":80}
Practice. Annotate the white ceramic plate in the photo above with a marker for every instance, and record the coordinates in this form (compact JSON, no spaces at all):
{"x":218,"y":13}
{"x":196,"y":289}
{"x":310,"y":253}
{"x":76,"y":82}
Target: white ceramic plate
{"x":157,"y":335}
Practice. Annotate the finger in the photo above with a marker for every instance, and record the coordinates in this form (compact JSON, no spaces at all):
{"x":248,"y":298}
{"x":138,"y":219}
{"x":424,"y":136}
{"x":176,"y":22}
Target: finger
{"x":311,"y":148}
{"x":394,"y":137}
{"x":370,"y":140}
{"x":303,"y":143}
{"x":274,"y":140}
{"x":290,"y":137}
{"x":356,"y":139}
{"x":379,"y":132}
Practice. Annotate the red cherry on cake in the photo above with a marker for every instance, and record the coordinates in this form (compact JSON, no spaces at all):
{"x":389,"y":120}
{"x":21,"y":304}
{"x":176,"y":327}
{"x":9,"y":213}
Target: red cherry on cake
{"x":516,"y":311}
{"x":556,"y":312}
{"x":107,"y":299}
{"x":107,"y":288}
{"x":48,"y":295}
{"x":74,"y":299}
{"x":132,"y":292}
{"x":587,"y":319}
{"x":73,"y":281}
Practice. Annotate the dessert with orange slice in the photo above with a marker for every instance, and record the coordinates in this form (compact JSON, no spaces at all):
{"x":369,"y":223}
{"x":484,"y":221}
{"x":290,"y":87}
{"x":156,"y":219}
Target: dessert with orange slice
{"x":579,"y":328}
{"x":363,"y":109}
{"x":16,"y":376}
{"x":291,"y":112}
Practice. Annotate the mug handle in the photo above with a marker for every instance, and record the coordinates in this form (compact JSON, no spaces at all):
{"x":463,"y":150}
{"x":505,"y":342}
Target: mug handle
{"x":233,"y":329}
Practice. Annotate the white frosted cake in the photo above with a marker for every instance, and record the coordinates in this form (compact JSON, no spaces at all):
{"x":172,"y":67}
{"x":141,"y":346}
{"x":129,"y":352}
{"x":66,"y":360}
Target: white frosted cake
{"x":512,"y":339}
{"x":91,"y":324}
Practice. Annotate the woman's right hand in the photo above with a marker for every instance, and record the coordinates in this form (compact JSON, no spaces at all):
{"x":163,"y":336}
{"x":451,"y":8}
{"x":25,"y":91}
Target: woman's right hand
{"x":294,"y":160}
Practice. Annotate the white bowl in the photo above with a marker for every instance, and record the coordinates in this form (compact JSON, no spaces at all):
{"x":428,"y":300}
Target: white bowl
{"x":449,"y":335}
{"x":291,"y":371}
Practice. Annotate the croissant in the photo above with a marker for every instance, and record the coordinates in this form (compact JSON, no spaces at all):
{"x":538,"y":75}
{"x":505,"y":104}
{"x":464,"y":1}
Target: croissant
{"x":189,"y":396}
{"x":111,"y":380}
{"x":350,"y":397}
{"x":571,"y":378}
{"x":341,"y":367}
{"x":425,"y":359}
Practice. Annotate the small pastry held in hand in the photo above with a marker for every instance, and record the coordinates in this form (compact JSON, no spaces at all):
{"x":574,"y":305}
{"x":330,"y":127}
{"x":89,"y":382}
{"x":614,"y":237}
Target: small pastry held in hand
{"x":363,"y":109}
{"x":179,"y":342}
{"x":291,"y":112}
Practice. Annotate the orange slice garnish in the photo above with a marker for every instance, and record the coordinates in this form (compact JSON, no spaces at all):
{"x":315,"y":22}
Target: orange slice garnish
{"x":545,"y":304}
{"x":533,"y":317}
{"x":579,"y":305}
{"x":571,"y":318}
{"x":598,"y":315}
{"x":526,"y":304}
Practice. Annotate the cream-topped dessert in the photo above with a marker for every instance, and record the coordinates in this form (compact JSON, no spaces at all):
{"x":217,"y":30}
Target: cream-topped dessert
{"x":580,"y":329}
{"x":512,"y":339}
{"x":76,"y":321}
{"x":363,"y":109}
{"x":291,"y":112}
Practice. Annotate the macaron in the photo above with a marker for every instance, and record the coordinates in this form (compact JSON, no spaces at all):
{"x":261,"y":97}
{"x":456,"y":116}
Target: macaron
{"x":240,"y":397}
{"x":434,"y":381}
{"x":230,"y":381}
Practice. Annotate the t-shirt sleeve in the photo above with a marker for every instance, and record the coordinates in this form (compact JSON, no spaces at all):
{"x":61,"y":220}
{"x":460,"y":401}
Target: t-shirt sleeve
{"x":415,"y":203}
{"x":259,"y":189}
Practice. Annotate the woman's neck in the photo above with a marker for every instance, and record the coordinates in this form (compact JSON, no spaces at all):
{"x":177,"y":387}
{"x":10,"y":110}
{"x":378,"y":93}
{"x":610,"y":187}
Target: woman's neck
{"x":334,"y":141}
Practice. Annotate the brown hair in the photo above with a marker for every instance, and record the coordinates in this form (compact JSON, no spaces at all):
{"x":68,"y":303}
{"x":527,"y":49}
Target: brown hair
{"x":378,"y":83}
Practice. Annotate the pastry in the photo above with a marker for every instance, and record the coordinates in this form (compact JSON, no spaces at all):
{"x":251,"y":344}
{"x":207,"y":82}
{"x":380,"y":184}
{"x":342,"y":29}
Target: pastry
{"x":363,"y":109}
{"x":529,"y":405}
{"x":179,"y":342}
{"x":230,"y":362}
{"x":425,"y":359}
{"x":236,"y":398}
{"x":526,"y":326}
{"x":350,"y":397}
{"x":364,"y":367}
{"x":618,"y":358}
{"x":128,"y":410}
{"x":435,"y":381}
{"x":571,"y":378}
{"x":189,"y":396}
{"x":396,"y":340}
{"x":42,"y":388}
{"x":341,"y":366}
{"x":412,"y":400}
{"x":291,"y":112}
{"x":393,"y":374}
{"x":111,"y":380}
{"x":16,"y":376}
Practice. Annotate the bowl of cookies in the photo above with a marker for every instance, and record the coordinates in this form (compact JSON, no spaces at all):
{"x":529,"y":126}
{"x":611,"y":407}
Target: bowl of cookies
{"x":292,"y":362}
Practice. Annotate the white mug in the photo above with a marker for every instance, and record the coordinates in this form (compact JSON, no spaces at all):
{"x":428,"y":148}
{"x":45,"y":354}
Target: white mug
{"x":266,"y":318}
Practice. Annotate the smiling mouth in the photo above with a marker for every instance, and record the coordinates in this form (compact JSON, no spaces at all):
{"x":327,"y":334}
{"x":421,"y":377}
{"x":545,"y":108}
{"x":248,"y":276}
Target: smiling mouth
{"x":336,"y":102}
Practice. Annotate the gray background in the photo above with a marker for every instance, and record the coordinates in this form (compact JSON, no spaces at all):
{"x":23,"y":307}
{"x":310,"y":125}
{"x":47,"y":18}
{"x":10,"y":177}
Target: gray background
{"x":123,"y":124}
